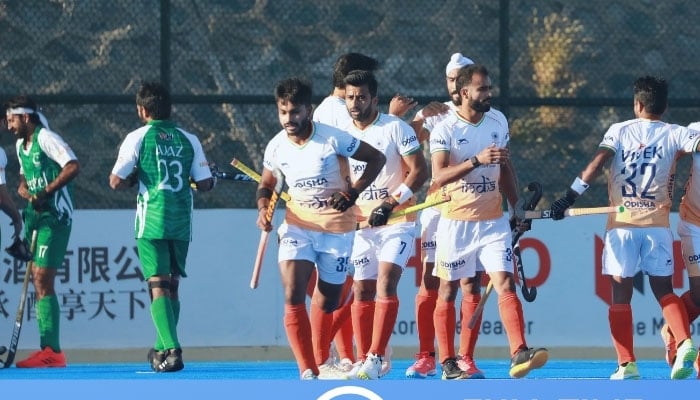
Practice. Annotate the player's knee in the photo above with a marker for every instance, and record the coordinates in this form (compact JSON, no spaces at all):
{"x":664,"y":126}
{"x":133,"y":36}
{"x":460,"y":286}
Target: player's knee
{"x":158,"y":288}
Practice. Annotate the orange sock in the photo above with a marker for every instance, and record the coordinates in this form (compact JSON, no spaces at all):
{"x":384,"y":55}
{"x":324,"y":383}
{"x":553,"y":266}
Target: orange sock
{"x":620,"y":318}
{"x":445,"y":322}
{"x":468,"y":337}
{"x":387,"y":310}
{"x":320,"y":332}
{"x":690,"y":307}
{"x":298,"y":328}
{"x":341,"y":329}
{"x":425,"y":308}
{"x":511,"y":311}
{"x":343,"y":341}
{"x":362,"y":319}
{"x":676,"y":317}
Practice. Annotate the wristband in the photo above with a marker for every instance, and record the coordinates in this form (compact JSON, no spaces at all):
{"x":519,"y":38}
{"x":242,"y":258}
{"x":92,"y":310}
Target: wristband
{"x":475,"y":161}
{"x":579,"y":186}
{"x":402,"y":194}
{"x":263,"y":193}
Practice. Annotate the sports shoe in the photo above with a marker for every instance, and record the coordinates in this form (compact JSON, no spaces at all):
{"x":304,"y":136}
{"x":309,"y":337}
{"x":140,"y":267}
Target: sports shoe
{"x":354,"y":369}
{"x":308,"y":375}
{"x":386,"y":360}
{"x":628,"y":371}
{"x":683,"y":366}
{"x":345,"y":365}
{"x":155,"y":357}
{"x":525,"y":360}
{"x":450,"y":370}
{"x":329,"y":370}
{"x":371,"y":368}
{"x":46,"y":358}
{"x":423,"y":367}
{"x":670,"y":343}
{"x":172,"y":362}
{"x":467,"y":364}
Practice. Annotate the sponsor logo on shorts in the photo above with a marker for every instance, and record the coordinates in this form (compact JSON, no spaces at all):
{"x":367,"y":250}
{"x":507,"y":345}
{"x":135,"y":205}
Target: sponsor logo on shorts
{"x":694,"y":258}
{"x":640,"y":204}
{"x":311,"y":183}
{"x":359,"y":262}
{"x":289,"y":242}
{"x":428,"y":244}
{"x":452,"y":265}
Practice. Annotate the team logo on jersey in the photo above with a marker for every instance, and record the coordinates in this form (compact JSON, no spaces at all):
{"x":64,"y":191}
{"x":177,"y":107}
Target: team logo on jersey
{"x":462,"y":141}
{"x":163,"y":135}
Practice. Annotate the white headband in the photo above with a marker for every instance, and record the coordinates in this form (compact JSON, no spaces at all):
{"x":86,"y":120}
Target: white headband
{"x":25,"y":110}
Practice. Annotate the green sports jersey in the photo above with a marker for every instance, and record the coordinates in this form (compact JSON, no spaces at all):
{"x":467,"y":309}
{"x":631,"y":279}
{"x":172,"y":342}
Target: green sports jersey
{"x":39,"y":169}
{"x":164,"y":208}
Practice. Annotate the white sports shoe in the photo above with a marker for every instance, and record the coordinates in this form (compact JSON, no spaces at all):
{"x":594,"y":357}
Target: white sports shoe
{"x":685,"y":356}
{"x":371,"y":368}
{"x":354,"y":369}
{"x":329,"y":370}
{"x":346,"y":365}
{"x":629,"y":371}
{"x":308,"y":375}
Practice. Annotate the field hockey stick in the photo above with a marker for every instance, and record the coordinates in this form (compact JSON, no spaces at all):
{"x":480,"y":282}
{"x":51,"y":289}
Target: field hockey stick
{"x":20,"y":310}
{"x":264,"y":236}
{"x":571,"y":212}
{"x":409,"y":210}
{"x":528,"y":293}
{"x":254,"y":175}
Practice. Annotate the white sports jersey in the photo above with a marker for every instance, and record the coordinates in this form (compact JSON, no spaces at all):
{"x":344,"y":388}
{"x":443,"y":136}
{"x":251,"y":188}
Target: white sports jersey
{"x":642,"y":169}
{"x":314,"y":171}
{"x":395,"y":139}
{"x":332,"y":111}
{"x":690,"y":203}
{"x":431,"y":122}
{"x":476,"y":196}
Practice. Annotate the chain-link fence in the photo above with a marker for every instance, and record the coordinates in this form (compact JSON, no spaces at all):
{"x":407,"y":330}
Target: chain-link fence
{"x":563,"y":71}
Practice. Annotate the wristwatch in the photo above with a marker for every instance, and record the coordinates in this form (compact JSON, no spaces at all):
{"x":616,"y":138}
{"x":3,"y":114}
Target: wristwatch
{"x":475,"y":161}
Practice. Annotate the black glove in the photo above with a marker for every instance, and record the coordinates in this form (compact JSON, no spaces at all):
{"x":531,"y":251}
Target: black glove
{"x":38,"y":200}
{"x":341,"y":201}
{"x":133,"y":178}
{"x":558,"y":207}
{"x":19,"y":250}
{"x":380,"y":215}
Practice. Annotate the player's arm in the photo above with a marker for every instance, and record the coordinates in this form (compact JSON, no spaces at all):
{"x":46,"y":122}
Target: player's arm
{"x":580,"y":184}
{"x":508,"y":181}
{"x":7,"y":205}
{"x":374,"y":160}
{"x":433,"y":108}
{"x":263,"y":196}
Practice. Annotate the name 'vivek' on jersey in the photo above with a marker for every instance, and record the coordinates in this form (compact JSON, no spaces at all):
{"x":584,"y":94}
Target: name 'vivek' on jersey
{"x":643,"y":152}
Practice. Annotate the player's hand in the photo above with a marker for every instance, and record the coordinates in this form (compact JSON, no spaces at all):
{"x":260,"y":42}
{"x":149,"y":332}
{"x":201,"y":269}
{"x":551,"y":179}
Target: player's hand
{"x":380,"y":215}
{"x":432,"y":109}
{"x":520,"y":225}
{"x":560,"y":206}
{"x":343,"y":200}
{"x":400,"y":105}
{"x":39,"y":199}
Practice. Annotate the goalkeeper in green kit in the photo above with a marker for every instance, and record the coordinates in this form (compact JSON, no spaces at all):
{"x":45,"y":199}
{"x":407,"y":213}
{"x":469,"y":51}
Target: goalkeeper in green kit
{"x":162,"y":159}
{"x":47,"y":168}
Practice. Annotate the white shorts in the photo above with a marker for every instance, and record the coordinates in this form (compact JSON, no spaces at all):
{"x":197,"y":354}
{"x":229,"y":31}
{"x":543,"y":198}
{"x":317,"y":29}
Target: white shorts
{"x":690,"y":246}
{"x":469,"y":246}
{"x":391,"y":244}
{"x":428,"y":227}
{"x":329,"y":251}
{"x":627,"y":250}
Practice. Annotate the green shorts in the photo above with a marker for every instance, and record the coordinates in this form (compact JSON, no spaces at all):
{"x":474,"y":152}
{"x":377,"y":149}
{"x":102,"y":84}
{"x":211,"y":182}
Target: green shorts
{"x":162,"y":256}
{"x":52,"y":238}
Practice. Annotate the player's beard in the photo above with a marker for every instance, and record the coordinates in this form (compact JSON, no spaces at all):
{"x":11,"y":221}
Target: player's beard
{"x":363,"y":116}
{"x":300,"y":129}
{"x":456,"y":98}
{"x":480,"y":106}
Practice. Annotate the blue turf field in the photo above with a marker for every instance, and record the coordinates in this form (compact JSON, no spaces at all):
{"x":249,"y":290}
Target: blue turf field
{"x":560,"y":380}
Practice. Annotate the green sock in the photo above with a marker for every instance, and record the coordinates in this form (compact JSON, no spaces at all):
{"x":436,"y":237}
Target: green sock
{"x":164,"y":321}
{"x":48,"y":314}
{"x":176,"y":313}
